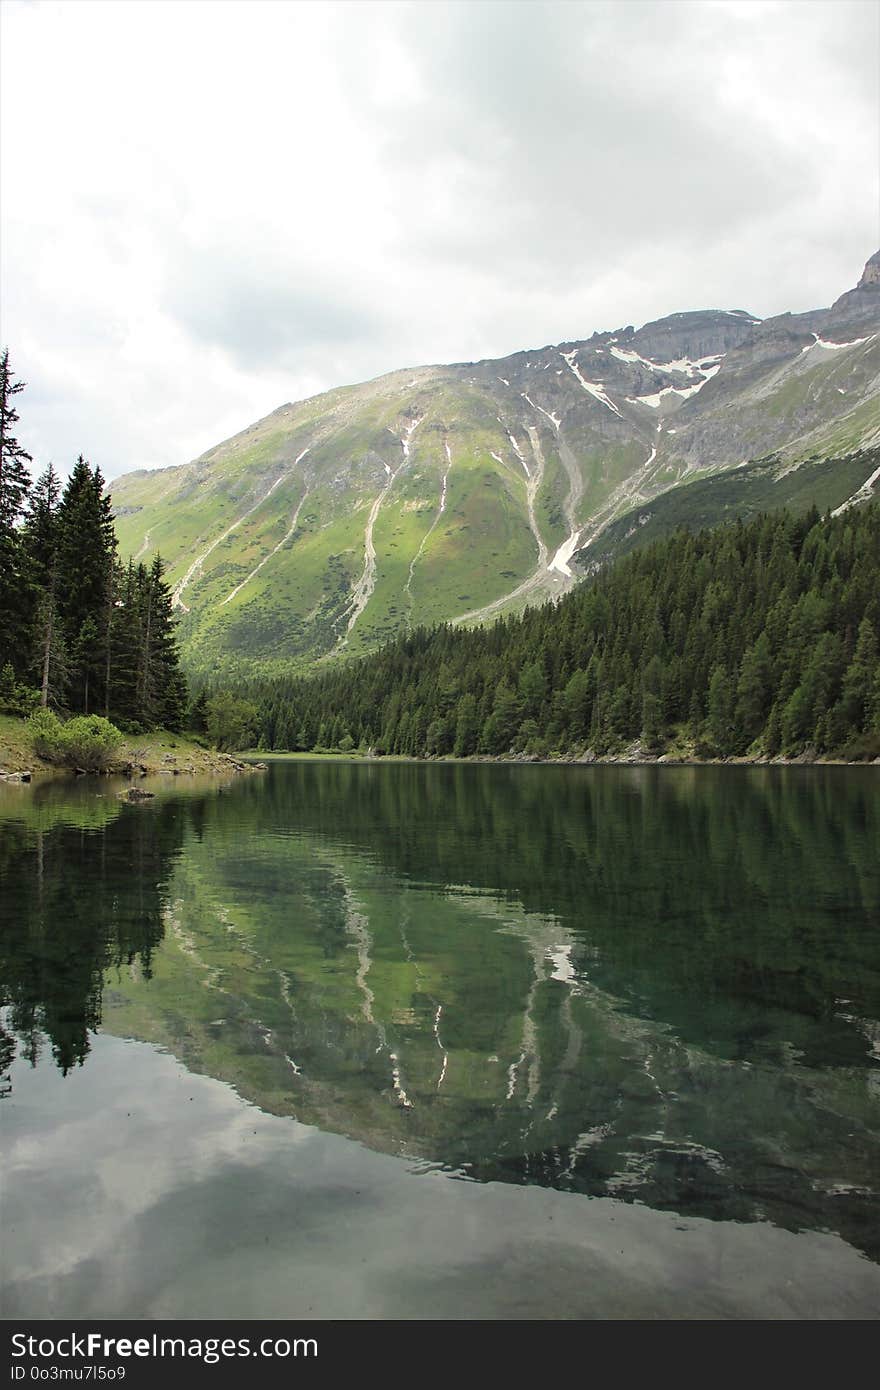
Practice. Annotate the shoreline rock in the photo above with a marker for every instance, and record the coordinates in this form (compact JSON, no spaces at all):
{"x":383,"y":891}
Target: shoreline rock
{"x":136,"y":794}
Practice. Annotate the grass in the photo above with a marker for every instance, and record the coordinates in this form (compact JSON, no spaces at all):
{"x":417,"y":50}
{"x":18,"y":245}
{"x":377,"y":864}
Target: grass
{"x":159,"y":751}
{"x":292,"y":613}
{"x":550,"y":502}
{"x":742,"y":492}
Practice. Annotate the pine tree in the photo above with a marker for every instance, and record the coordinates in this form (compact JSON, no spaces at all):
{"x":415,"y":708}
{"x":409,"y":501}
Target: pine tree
{"x":578,"y":704}
{"x":86,"y":549}
{"x":14,"y":488}
{"x":720,"y":710}
{"x":197,"y":715}
{"x":859,"y":677}
{"x":532,"y":688}
{"x":124,"y":644}
{"x":753,"y":690}
{"x":773,"y":732}
{"x":503,"y":722}
{"x":86,"y":656}
{"x":14,"y":475}
{"x":40,"y":540}
{"x":652,"y":704}
{"x":160,"y":690}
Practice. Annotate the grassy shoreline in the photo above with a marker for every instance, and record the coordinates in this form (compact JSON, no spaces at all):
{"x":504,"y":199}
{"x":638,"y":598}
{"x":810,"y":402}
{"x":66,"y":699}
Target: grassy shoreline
{"x":157,"y":752}
{"x":178,"y":754}
{"x":624,"y":759}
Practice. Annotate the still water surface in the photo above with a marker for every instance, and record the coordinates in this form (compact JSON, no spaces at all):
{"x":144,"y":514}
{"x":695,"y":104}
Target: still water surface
{"x":366,"y":1040}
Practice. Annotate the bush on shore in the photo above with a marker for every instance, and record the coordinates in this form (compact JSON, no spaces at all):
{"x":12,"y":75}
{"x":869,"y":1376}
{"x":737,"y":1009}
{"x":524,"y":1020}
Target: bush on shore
{"x":88,"y":741}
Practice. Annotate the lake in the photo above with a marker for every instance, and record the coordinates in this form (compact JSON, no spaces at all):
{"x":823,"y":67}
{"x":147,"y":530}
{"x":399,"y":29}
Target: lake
{"x":369,"y":1040}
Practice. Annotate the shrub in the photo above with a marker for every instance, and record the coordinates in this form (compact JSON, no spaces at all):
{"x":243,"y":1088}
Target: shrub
{"x":88,"y":741}
{"x":45,"y":729}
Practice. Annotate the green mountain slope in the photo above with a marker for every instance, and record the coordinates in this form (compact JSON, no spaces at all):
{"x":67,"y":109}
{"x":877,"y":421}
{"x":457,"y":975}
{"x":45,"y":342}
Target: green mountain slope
{"x":459,"y":492}
{"x":763,"y":486}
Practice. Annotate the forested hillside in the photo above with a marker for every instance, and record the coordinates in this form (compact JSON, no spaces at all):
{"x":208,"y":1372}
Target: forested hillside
{"x":757,"y":637}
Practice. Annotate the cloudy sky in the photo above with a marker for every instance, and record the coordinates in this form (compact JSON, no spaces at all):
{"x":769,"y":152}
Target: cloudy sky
{"x":211,"y":208}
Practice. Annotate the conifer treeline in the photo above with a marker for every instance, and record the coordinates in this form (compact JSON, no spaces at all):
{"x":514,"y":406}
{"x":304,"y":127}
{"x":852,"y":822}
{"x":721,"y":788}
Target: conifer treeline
{"x":92,"y":636}
{"x":757,"y":637}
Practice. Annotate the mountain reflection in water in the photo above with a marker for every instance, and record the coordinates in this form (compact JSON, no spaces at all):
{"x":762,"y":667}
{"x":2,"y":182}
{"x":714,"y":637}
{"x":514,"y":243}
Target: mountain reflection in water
{"x":660,"y":985}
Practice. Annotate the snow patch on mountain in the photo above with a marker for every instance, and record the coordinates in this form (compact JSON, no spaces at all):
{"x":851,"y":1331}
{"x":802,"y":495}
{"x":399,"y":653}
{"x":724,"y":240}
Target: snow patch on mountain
{"x":654,"y":398}
{"x":706,"y":367}
{"x":563,"y":555}
{"x":626,"y":355}
{"x":863,"y":494}
{"x":593,"y":388}
{"x":689,"y":366}
{"x":518,"y":451}
{"x":554,"y":419}
{"x":834,"y":347}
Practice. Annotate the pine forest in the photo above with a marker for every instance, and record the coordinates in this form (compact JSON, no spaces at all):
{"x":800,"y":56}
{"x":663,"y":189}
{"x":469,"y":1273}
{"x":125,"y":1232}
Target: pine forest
{"x":80,"y":631}
{"x":752,"y":638}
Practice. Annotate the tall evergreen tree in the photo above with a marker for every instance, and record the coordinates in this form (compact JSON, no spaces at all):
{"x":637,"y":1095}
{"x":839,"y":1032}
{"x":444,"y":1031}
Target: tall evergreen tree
{"x":86,"y":549}
{"x":14,"y":488}
{"x":160,"y":692}
{"x":860,"y":676}
{"x":40,"y":538}
{"x":14,"y":459}
{"x":124,"y":643}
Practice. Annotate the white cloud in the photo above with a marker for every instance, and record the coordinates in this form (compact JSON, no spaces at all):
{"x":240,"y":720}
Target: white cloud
{"x":209,"y":209}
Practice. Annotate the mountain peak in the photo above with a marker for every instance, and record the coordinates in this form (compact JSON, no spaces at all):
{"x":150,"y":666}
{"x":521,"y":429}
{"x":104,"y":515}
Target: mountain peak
{"x":871,"y":272}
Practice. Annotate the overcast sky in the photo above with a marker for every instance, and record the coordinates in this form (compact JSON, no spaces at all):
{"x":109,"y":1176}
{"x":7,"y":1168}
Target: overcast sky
{"x":211,"y":208}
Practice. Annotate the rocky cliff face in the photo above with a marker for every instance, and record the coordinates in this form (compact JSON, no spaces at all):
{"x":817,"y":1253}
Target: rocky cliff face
{"x":456,"y":493}
{"x":861,"y":305}
{"x":871,"y":274}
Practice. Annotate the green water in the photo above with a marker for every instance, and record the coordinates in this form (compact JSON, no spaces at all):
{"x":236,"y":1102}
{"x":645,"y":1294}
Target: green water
{"x":366,"y":1040}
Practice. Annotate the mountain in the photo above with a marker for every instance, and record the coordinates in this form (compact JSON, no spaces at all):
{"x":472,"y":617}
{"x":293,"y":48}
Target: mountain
{"x":459,"y":492}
